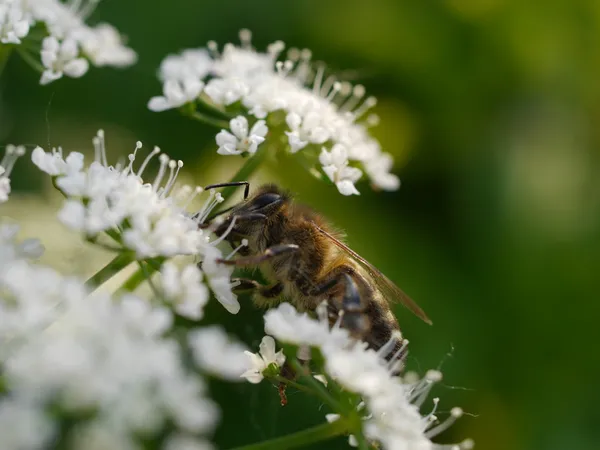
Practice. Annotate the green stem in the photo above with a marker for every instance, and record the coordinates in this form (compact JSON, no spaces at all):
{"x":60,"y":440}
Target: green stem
{"x":302,"y":438}
{"x":140,"y":275}
{"x":295,"y":385}
{"x":318,"y":387}
{"x":209,"y":120}
{"x":5,"y":51}
{"x":117,"y":264}
{"x":134,"y":280}
{"x":29,"y":59}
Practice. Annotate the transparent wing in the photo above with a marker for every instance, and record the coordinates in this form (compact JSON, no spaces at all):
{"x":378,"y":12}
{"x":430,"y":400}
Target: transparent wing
{"x":387,"y":287}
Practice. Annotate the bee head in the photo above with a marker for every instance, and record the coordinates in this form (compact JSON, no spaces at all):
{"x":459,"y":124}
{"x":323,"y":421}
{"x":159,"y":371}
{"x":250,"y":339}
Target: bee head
{"x":252,"y":214}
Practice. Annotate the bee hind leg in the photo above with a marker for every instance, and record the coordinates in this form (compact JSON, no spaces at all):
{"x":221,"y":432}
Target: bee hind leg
{"x":354,"y":318}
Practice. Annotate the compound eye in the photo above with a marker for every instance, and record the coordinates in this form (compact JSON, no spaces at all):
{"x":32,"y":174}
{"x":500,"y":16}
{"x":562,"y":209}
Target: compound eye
{"x":265,"y":200}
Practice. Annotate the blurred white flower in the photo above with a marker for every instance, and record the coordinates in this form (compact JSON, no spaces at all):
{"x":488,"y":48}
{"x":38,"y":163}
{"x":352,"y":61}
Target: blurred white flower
{"x":260,"y":361}
{"x":226,"y":91}
{"x":11,"y":154}
{"x":318,"y":110}
{"x":14,"y":22}
{"x":189,"y":64}
{"x":61,"y":58}
{"x":240,"y":140}
{"x":107,"y":358}
{"x":335,"y":165}
{"x":103,"y":45}
{"x":217,"y":353}
{"x":68,"y":44}
{"x":378,"y":169}
{"x":184,"y":288}
{"x":305,"y":130}
{"x":175,"y":94}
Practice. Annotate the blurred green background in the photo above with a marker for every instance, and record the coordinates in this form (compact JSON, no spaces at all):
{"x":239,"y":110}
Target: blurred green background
{"x":491,"y":108}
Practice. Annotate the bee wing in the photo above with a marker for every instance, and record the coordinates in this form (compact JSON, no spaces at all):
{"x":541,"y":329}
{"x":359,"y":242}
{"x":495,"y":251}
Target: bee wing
{"x":384,"y":284}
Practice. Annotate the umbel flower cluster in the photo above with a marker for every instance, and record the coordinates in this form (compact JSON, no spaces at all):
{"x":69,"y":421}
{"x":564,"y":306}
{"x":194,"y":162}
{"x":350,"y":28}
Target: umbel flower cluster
{"x":85,"y":367}
{"x":323,"y":121}
{"x":53,"y":37}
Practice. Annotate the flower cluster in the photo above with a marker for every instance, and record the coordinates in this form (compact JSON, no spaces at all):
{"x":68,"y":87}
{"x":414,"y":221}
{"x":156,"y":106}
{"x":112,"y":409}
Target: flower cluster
{"x":389,"y":405}
{"x":7,"y":163}
{"x":319,"y":116}
{"x":108,"y":363}
{"x":68,"y":45}
{"x":149,"y":219}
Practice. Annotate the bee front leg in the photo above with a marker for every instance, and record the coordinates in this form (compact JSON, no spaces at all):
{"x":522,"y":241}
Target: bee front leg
{"x":263,"y":296}
{"x":255,"y":260}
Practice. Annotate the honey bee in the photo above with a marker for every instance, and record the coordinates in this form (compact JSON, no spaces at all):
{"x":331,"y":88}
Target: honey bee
{"x":306,"y":262}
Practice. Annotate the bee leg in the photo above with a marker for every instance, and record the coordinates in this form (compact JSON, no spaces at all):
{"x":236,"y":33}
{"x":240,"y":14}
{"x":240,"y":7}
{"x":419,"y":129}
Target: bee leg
{"x":254,"y":260}
{"x":232,"y":183}
{"x":354,"y":319}
{"x":263,"y":295}
{"x":352,"y":306}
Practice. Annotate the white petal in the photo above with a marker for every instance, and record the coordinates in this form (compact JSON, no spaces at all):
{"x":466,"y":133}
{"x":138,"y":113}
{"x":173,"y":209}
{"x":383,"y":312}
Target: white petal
{"x":49,"y":76}
{"x":76,"y":68}
{"x":158,"y":104}
{"x":293,"y":121}
{"x":239,"y":127}
{"x":267,"y":349}
{"x":339,"y":155}
{"x":72,"y":215}
{"x":252,"y":376}
{"x":68,"y":49}
{"x":325,"y":157}
{"x":331,"y":172}
{"x":295,"y":142}
{"x":346,"y":187}
{"x":224,"y":137}
{"x":259,"y":129}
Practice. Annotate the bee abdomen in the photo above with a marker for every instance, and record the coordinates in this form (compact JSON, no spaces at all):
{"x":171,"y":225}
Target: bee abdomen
{"x":385,"y":334}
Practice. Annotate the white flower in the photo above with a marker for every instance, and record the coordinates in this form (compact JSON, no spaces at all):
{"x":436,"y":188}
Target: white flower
{"x":240,"y":140}
{"x":335,"y":165}
{"x":103,"y":45}
{"x":61,"y":58}
{"x":391,"y":404}
{"x":260,"y":361}
{"x":216,"y":353}
{"x":288,"y":325}
{"x":14,"y":22}
{"x":150,"y":218}
{"x":67,"y":42}
{"x":175,"y":94}
{"x":79,"y":353}
{"x":305,"y":130}
{"x":7,"y":163}
{"x":184,"y":288}
{"x":54,"y":164}
{"x":18,"y":419}
{"x":226,"y":90}
{"x":189,"y":64}
{"x":378,"y":169}
{"x":317,"y":109}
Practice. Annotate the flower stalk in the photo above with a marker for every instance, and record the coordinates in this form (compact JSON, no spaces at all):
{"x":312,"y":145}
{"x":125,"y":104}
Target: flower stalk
{"x":302,"y":438}
{"x":117,"y":264}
